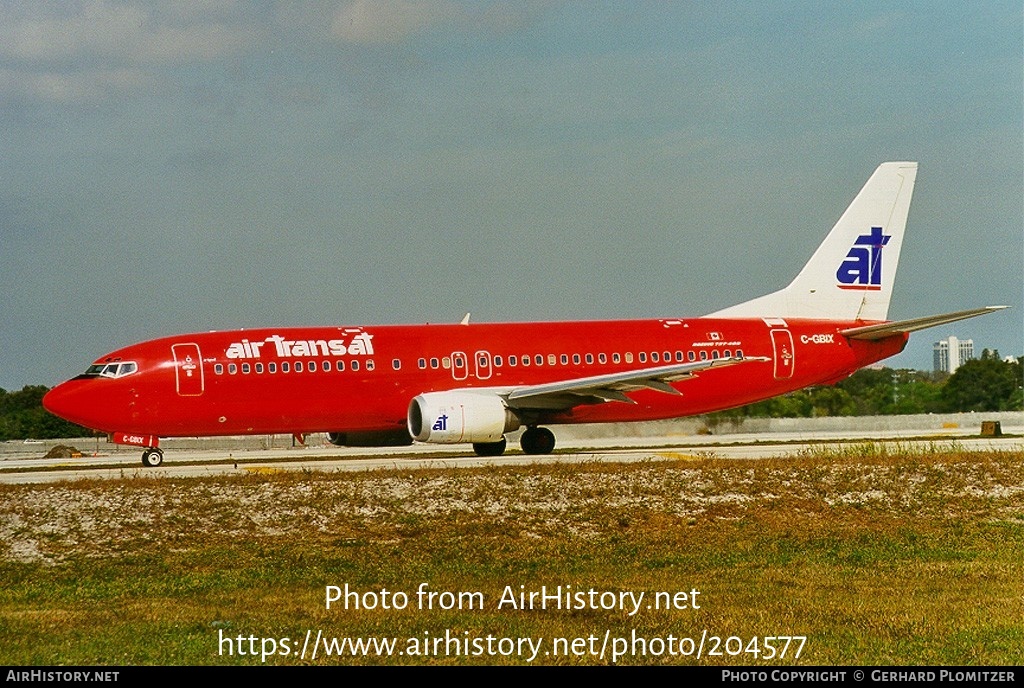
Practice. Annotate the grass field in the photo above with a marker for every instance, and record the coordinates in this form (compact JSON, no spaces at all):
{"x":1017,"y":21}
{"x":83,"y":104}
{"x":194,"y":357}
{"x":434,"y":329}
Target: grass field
{"x":876,"y":556}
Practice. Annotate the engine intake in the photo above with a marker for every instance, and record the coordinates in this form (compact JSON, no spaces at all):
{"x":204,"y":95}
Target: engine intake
{"x":460,"y":416}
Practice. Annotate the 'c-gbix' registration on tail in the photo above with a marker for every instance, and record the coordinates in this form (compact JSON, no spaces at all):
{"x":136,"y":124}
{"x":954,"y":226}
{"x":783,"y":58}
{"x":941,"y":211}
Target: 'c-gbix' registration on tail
{"x":475,"y":382}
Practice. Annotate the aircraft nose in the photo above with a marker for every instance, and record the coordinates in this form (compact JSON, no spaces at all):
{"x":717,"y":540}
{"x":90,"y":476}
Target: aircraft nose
{"x":73,"y":401}
{"x":55,"y":401}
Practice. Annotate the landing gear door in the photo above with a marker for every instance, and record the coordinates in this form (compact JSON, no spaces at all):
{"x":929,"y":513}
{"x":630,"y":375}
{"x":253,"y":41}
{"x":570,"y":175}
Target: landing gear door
{"x":188,"y":369}
{"x":782,"y":343}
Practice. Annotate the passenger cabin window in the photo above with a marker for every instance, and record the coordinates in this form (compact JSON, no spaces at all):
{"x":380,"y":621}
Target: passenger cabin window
{"x":369,"y":364}
{"x":355,"y":365}
{"x":340,"y":366}
{"x":396,"y":364}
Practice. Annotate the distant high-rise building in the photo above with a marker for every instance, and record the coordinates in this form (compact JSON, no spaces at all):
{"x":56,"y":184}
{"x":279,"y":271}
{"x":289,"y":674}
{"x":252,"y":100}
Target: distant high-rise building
{"x":951,"y":353}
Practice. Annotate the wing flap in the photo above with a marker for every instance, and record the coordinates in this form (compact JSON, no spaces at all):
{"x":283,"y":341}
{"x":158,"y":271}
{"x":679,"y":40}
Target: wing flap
{"x":613,"y":386}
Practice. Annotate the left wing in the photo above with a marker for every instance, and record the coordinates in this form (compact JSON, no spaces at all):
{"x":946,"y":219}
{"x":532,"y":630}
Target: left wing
{"x":613,"y":386}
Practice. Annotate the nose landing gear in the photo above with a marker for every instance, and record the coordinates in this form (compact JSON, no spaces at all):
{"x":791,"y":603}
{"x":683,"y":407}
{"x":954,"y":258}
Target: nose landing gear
{"x":152,"y":457}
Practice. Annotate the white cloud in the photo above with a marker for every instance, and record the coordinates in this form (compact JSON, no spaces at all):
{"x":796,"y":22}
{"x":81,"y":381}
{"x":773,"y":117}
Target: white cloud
{"x":126,"y":33}
{"x":372,"y":21}
{"x":82,"y":86}
{"x":65,"y":53}
{"x":392,"y":21}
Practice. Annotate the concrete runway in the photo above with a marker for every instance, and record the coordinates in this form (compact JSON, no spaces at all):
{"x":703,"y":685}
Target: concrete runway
{"x":20,"y":462}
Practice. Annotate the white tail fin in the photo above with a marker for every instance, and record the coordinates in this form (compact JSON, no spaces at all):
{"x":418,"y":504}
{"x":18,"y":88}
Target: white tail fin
{"x":850,"y":276}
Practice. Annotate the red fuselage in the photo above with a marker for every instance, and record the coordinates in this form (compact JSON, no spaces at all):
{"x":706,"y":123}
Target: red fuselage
{"x":361,"y":379}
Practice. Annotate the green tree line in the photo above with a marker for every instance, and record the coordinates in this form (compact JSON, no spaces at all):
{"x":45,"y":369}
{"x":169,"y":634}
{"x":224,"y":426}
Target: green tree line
{"x":984,"y":384}
{"x":22,"y":416}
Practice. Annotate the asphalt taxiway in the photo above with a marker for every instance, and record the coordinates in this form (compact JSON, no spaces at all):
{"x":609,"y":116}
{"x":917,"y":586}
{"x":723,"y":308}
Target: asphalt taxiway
{"x":21,"y":463}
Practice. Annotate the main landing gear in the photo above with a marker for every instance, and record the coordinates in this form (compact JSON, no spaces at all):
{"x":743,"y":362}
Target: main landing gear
{"x":152,"y":457}
{"x":534,"y":441}
{"x":537,"y":441}
{"x":490,"y":448}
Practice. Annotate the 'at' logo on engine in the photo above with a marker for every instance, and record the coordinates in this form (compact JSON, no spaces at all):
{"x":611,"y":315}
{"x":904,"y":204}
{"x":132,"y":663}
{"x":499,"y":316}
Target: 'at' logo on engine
{"x":862,"y":268}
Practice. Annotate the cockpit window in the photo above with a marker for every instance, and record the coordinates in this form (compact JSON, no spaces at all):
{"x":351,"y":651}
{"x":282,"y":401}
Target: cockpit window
{"x":113,"y":370}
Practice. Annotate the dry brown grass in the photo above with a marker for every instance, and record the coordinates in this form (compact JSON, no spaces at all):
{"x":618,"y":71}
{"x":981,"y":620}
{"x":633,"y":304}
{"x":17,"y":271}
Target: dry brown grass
{"x":883,"y":556}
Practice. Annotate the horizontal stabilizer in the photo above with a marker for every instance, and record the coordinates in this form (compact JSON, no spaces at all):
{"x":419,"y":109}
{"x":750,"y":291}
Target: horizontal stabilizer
{"x":883,"y":330}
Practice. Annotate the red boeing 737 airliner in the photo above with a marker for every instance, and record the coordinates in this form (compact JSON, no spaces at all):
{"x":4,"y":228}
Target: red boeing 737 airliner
{"x":473,"y":383}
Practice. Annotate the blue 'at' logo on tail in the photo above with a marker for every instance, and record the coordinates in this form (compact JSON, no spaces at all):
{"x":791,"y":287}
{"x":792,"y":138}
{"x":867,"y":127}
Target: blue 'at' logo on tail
{"x":862,"y":268}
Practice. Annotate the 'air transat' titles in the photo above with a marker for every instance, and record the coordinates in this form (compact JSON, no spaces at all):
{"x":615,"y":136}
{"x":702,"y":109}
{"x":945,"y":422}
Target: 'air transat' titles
{"x":354,"y":342}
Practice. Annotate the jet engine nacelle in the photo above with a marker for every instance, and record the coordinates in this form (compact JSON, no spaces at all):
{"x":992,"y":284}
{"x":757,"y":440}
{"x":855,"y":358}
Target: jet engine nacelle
{"x":460,"y":416}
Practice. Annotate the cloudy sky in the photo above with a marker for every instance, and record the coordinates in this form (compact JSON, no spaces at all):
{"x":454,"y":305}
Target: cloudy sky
{"x":175,"y":167}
